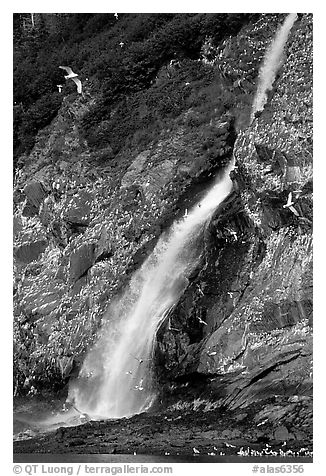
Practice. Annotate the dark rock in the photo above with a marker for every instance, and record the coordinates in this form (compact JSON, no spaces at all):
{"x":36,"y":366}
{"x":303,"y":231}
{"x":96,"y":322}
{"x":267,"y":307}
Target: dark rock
{"x":35,"y":193}
{"x":262,"y":438}
{"x":29,"y":210}
{"x":60,"y":433}
{"x":81,"y":260}
{"x":77,"y":442}
{"x":30,"y":252}
{"x":79,"y":209}
{"x":17,"y":225}
{"x":227,"y":434}
{"x":276,"y":159}
{"x":104,"y":249}
{"x":299,"y":435}
{"x":281,"y":433}
{"x":258,"y":435}
{"x":78,"y":285}
{"x":241,"y":416}
{"x":61,"y":273}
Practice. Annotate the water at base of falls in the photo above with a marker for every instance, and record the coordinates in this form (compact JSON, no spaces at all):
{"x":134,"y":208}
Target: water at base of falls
{"x":116,"y":379}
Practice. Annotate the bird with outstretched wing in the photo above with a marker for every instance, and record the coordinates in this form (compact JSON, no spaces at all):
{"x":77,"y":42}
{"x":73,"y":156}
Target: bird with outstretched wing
{"x":73,"y":76}
{"x":290,"y":204}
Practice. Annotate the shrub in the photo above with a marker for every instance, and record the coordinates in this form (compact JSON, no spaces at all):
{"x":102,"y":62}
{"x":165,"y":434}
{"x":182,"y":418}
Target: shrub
{"x":39,"y":115}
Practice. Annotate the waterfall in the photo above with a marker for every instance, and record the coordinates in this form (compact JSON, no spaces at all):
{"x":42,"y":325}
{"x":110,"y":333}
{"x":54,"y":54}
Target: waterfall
{"x":272,"y":62}
{"x":116,"y":378}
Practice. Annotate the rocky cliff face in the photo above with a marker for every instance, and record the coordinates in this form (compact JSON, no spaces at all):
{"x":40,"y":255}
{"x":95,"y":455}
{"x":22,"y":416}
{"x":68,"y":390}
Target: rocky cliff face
{"x":241,"y":333}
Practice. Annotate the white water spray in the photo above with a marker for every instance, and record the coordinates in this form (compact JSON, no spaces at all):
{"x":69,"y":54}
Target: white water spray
{"x":116,"y":379}
{"x":271,"y":64}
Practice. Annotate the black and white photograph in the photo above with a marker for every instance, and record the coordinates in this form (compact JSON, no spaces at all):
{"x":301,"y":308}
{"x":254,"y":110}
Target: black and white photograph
{"x":162,"y":241}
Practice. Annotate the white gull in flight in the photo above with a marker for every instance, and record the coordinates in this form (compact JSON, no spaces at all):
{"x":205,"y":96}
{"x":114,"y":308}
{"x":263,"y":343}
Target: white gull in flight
{"x":73,"y":76}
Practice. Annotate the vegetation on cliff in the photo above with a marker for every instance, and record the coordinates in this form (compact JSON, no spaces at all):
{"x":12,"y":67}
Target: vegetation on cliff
{"x":118,"y":61}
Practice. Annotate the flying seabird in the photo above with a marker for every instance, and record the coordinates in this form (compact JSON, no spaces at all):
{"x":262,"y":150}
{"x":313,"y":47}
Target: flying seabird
{"x":121,"y":44}
{"x":200,"y":289}
{"x":139,"y":360}
{"x":290,"y":204}
{"x":196,"y":452}
{"x":59,"y":86}
{"x":116,"y":16}
{"x":186,"y":213}
{"x":73,"y":76}
{"x":229,"y":445}
{"x":201,"y":321}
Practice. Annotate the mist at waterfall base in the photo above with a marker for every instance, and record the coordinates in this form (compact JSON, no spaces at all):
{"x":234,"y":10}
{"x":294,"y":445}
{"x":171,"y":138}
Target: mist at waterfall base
{"x":272,"y":62}
{"x":116,"y":379}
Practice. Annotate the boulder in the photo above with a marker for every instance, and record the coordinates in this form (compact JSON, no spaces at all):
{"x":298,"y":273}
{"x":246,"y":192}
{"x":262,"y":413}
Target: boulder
{"x":227,"y":434}
{"x":17,"y":225}
{"x":35,"y":193}
{"x":29,"y":252}
{"x":293,"y":174}
{"x":299,"y":435}
{"x":281,"y":433}
{"x":29,"y":210}
{"x":81,"y":260}
{"x":40,"y":301}
{"x":79,"y":208}
{"x":136,"y":169}
{"x":103,"y":248}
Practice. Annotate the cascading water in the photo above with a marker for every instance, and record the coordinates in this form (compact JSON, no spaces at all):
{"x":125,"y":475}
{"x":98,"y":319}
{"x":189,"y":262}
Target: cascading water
{"x":272,"y":62}
{"x":116,"y":379}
